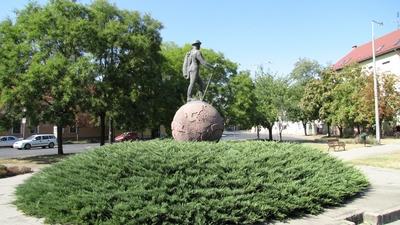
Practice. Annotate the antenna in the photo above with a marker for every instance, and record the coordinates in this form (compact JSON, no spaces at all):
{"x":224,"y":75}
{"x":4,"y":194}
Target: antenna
{"x":398,"y":20}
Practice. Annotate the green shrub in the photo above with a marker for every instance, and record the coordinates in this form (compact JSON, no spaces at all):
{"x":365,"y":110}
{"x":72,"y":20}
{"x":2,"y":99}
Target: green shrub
{"x":165,"y":182}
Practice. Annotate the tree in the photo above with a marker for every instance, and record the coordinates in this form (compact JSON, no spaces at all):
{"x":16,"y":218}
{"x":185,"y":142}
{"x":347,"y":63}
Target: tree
{"x":125,"y":47}
{"x":242,"y":102}
{"x":305,"y":71}
{"x":272,"y":101}
{"x":48,"y":75}
{"x":389,"y":99}
{"x":174,"y":87}
{"x":218,"y":79}
{"x":343,"y":101}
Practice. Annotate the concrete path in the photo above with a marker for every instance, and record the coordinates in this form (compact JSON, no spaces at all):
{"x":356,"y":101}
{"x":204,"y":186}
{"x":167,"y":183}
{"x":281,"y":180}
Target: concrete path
{"x":9,"y":215}
{"x":365,"y":152}
{"x":383,"y":196}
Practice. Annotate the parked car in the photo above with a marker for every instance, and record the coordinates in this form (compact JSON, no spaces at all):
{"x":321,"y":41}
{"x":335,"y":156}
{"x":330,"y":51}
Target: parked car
{"x":7,"y":141}
{"x":38,"y":140}
{"x":127,"y":136}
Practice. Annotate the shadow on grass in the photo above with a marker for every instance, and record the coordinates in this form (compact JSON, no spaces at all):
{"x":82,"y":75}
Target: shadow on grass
{"x":44,"y":159}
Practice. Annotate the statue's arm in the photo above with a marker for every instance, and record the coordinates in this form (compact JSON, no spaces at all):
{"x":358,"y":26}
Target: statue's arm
{"x":201,"y":59}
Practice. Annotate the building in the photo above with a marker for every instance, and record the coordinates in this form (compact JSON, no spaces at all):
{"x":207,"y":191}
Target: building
{"x":387,"y":57}
{"x":387,"y":54}
{"x":85,"y":129}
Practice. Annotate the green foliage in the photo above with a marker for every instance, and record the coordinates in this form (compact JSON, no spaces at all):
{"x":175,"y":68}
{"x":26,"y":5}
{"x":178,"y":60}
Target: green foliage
{"x":305,"y":70}
{"x":242,"y":101}
{"x":273,"y":100}
{"x":165,"y":182}
{"x":303,"y":107}
{"x":125,"y":48}
{"x":43,"y":67}
{"x":218,"y":92}
{"x":172,"y":93}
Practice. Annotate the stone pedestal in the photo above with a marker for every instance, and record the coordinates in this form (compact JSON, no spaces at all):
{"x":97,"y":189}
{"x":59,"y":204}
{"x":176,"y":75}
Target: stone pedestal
{"x":197,"y":121}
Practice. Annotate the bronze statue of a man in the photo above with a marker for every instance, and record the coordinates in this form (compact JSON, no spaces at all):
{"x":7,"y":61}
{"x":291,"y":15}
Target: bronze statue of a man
{"x":191,"y":67}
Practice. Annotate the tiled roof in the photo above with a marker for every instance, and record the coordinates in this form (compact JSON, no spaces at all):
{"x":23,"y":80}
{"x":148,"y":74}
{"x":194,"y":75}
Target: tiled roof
{"x":383,"y":45}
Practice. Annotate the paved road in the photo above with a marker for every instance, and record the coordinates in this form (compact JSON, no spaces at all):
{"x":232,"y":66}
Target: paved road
{"x":247,"y":135}
{"x":7,"y":153}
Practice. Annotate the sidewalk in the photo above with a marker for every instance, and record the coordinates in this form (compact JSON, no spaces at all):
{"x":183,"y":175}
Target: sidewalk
{"x":9,"y":215}
{"x":383,"y":196}
{"x":365,"y":152}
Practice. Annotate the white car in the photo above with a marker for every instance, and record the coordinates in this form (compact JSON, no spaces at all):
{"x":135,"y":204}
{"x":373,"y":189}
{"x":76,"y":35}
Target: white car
{"x":38,"y":140}
{"x":7,"y":141}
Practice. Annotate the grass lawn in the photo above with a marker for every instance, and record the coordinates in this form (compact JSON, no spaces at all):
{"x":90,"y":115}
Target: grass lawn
{"x":165,"y":182}
{"x":386,"y":161}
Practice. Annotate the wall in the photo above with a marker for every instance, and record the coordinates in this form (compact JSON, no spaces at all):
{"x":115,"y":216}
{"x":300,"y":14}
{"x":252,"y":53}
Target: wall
{"x":388,"y":63}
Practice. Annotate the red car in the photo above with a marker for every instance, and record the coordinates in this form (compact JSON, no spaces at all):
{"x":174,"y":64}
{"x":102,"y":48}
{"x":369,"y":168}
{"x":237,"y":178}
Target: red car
{"x":127,"y":136}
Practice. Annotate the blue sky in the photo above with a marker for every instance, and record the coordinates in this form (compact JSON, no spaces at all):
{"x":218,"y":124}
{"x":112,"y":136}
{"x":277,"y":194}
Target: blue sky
{"x":274,"y":34}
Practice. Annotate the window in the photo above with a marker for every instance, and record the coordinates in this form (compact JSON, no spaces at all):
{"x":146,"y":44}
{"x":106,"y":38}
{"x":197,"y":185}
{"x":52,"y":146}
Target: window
{"x":45,"y":137}
{"x":385,"y":62}
{"x":38,"y":138}
{"x":11,"y":138}
{"x":3,"y":139}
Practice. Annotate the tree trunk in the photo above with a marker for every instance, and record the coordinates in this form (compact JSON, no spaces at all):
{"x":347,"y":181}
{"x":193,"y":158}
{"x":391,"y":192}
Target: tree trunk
{"x":102,"y":128}
{"x":305,"y":127}
{"x":329,"y":129}
{"x":155,"y":133}
{"x":358,"y":129}
{"x":270,"y":133}
{"x":340,"y":131}
{"x":59,"y":140}
{"x":258,"y":132}
{"x":110,"y":131}
{"x":77,"y":133}
{"x":280,"y":135}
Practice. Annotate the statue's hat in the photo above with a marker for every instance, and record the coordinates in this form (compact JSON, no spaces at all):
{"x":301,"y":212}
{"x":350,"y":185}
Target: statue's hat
{"x":196,"y":42}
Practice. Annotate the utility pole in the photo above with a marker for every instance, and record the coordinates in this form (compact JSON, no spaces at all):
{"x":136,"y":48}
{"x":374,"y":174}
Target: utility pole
{"x":376,"y":94}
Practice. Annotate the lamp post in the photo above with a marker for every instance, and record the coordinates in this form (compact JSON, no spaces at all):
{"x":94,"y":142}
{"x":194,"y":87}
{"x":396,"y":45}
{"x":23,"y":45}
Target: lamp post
{"x":377,"y":124}
{"x":23,"y":122}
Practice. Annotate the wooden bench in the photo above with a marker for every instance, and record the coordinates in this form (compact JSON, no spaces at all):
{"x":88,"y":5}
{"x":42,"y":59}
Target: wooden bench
{"x":335,"y":143}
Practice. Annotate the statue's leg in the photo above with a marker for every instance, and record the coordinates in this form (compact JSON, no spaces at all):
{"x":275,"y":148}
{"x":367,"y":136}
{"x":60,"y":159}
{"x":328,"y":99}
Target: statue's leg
{"x":191,"y":84}
{"x":201,"y":84}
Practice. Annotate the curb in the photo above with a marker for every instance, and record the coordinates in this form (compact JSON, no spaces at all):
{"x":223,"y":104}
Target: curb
{"x":378,"y":218}
{"x":383,"y":217}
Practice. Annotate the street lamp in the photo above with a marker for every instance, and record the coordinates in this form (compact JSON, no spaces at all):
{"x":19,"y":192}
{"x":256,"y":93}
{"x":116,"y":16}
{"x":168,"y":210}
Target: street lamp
{"x":23,"y":122}
{"x":377,"y":124}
